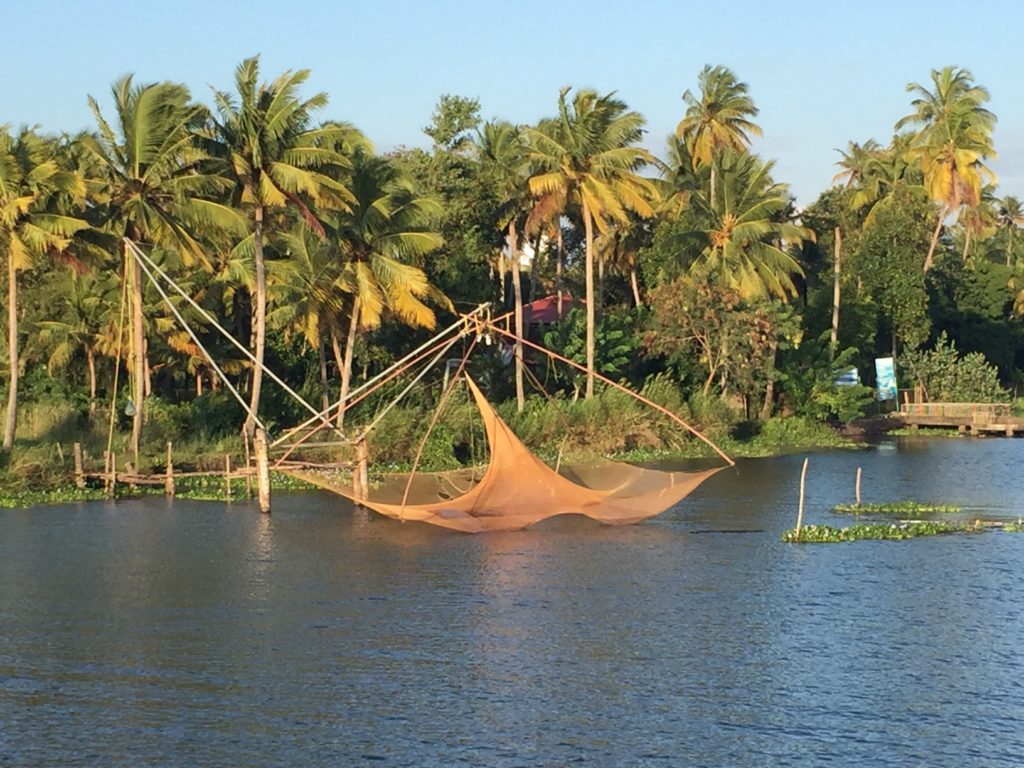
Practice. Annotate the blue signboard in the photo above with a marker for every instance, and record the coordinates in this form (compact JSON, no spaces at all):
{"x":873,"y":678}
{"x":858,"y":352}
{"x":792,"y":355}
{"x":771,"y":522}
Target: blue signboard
{"x":885,"y":378}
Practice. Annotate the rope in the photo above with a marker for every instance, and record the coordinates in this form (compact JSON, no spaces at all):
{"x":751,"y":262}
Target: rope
{"x":430,"y":428}
{"x":620,"y":387}
{"x":117,"y":370}
{"x":141,"y":257}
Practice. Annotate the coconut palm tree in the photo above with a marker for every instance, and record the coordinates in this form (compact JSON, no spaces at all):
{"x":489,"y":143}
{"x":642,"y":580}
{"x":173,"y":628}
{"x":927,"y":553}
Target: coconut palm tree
{"x":266,"y":145}
{"x":1009,"y":218}
{"x":304,"y":293}
{"x":587,"y":159}
{"x":32,"y":225}
{"x":151,"y":190}
{"x":718,"y":119}
{"x":954,"y":139}
{"x":386,"y":227}
{"x":84,"y":321}
{"x":502,"y":157}
{"x":739,"y":244}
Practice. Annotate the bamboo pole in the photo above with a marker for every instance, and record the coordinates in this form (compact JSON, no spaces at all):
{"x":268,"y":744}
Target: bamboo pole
{"x":803,"y":488}
{"x":362,"y":469}
{"x":112,"y":489}
{"x":227,"y":475}
{"x":169,"y":476}
{"x":858,"y":486}
{"x":248,"y":467}
{"x":262,"y":469}
{"x":79,"y":471}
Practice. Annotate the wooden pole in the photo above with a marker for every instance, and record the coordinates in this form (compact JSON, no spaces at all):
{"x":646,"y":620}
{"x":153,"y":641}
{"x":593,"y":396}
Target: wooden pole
{"x":169,"y":478}
{"x":227,"y":474}
{"x":858,"y":486}
{"x":803,"y":488}
{"x":262,"y":469}
{"x":248,"y":467}
{"x":113,"y":475}
{"x":361,"y":475}
{"x":79,"y":471}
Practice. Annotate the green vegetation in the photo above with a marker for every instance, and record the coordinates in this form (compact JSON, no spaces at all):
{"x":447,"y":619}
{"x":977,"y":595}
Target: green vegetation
{"x":902,"y":508}
{"x":706,"y":288}
{"x":826,"y":534}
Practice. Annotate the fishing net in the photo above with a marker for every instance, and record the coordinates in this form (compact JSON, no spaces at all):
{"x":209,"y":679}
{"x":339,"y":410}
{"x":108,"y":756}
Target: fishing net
{"x":517,"y":489}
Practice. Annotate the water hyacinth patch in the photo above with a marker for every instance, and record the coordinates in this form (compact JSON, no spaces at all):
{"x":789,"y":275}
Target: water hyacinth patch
{"x":905,"y":507}
{"x":827,"y":534}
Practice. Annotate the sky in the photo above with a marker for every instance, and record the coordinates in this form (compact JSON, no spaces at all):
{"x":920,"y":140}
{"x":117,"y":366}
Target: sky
{"x":822,"y":73}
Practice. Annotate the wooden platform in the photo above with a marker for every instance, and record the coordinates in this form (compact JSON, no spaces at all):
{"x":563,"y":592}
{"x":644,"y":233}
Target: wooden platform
{"x":968,"y":418}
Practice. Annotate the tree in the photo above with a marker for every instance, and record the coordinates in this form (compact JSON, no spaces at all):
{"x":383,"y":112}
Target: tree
{"x":719,"y":119}
{"x":589,"y":159}
{"x":1009,"y":219}
{"x":503,"y":159}
{"x":738,"y":242}
{"x":387,"y":225}
{"x":151,"y":190}
{"x":304,"y":293}
{"x":954,"y":139}
{"x":274,"y":159}
{"x":31,"y":226}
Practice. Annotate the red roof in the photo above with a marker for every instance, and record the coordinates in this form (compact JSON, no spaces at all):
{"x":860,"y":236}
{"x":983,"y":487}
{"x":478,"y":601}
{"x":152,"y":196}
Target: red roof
{"x":545,"y":311}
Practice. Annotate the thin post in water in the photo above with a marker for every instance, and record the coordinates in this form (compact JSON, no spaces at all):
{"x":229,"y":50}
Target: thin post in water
{"x":800,"y":510}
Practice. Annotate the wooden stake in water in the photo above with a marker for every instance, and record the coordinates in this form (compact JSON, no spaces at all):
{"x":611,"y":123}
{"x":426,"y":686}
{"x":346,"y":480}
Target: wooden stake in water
{"x":803,"y":488}
{"x":79,"y":471}
{"x":858,"y":486}
{"x":248,"y":467}
{"x":227,"y":474}
{"x":262,"y":469}
{"x":169,"y":477}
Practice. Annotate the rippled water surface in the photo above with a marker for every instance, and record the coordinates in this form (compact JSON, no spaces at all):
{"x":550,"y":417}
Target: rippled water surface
{"x":194,"y":634}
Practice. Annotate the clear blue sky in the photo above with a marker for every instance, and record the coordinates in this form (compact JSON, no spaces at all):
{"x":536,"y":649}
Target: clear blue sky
{"x":822,"y":73}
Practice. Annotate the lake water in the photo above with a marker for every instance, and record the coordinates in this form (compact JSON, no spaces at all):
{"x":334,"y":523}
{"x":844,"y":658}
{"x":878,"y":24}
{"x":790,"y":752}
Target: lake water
{"x":199,"y":634}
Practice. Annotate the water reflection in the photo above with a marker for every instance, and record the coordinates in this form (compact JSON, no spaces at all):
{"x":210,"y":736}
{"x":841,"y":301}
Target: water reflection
{"x":203,"y":634}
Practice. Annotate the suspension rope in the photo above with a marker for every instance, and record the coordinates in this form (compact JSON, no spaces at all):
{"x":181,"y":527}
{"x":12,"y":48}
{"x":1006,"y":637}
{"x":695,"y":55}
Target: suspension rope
{"x":209,"y":357}
{"x":430,"y":428}
{"x":627,"y":390}
{"x":141,"y":257}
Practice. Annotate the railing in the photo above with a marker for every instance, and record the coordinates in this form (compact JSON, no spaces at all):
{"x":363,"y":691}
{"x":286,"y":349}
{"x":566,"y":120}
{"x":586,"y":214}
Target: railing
{"x":957,"y":410}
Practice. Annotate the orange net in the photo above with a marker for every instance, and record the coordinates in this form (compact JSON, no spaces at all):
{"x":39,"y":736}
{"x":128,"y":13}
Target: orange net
{"x":517,"y":489}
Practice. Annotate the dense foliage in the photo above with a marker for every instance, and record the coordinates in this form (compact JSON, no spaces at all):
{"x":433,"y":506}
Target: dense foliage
{"x":694,"y":276}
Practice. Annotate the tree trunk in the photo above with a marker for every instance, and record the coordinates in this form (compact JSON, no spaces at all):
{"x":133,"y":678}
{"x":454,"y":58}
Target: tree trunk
{"x":636,"y":286}
{"x":935,"y":239}
{"x":558,"y":272}
{"x":517,"y":291}
{"x":90,"y":359}
{"x":138,"y":349}
{"x":12,"y":348}
{"x":769,"y":391}
{"x":967,"y":244}
{"x":325,"y":397}
{"x":588,"y":229}
{"x":346,"y":367}
{"x":600,"y":283}
{"x":1009,"y":249}
{"x":260,"y":317}
{"x":836,"y":290}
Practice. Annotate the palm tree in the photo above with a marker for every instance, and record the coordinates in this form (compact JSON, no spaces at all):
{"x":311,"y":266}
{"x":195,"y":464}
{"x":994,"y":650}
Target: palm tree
{"x":152,"y":191}
{"x":84,"y":320}
{"x":31,"y":226}
{"x":744,"y":227}
{"x":954,"y":139}
{"x":502,"y":158}
{"x":1009,"y":218}
{"x":274,"y":159}
{"x":719,"y":119}
{"x":588,"y":159}
{"x":304,"y":293}
{"x":386,"y":226}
